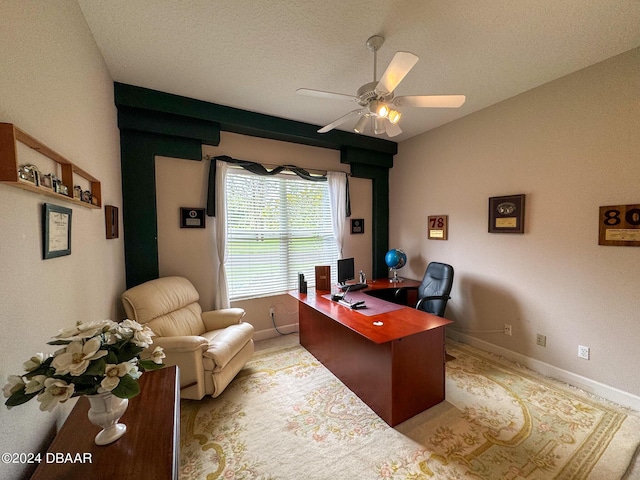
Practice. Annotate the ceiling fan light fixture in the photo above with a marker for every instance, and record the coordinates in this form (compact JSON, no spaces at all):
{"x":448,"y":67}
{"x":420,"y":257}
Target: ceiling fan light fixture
{"x":394,"y":116}
{"x":383,"y":110}
{"x":361,"y":125}
{"x":378,"y":109}
{"x":378,"y":126}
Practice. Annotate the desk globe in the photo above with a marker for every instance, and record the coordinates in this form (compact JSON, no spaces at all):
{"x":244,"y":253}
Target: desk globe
{"x":395,"y":259}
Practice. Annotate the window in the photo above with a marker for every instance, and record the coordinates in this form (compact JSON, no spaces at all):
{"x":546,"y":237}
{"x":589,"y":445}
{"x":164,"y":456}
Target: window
{"x":277,"y":226}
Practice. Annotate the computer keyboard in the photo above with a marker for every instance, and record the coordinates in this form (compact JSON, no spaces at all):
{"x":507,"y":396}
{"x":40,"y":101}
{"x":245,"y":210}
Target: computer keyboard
{"x":353,"y":286}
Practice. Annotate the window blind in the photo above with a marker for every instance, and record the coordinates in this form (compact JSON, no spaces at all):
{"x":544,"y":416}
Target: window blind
{"x":276,"y":227}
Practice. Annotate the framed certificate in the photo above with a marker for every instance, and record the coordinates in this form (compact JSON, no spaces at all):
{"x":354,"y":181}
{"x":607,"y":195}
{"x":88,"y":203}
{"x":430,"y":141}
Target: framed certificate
{"x":506,"y":214}
{"x":56,"y":231}
{"x":192,"y":217}
{"x":357,"y":225}
{"x":619,"y":225}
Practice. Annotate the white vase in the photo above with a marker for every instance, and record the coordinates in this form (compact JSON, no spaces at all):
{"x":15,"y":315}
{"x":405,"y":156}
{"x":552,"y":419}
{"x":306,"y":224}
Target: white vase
{"x":105,"y":411}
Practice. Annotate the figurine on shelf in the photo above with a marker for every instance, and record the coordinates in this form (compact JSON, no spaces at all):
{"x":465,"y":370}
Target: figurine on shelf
{"x":30,"y":173}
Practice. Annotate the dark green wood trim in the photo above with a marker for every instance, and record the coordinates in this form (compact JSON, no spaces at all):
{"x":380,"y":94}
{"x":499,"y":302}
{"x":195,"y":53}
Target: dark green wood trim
{"x":244,"y":122}
{"x":155,"y":123}
{"x":353,"y":155}
{"x":167,"y":124}
{"x":379,"y":176}
{"x":139,"y":214}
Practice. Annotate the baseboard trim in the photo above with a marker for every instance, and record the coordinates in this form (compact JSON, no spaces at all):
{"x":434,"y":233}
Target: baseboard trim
{"x":272,"y":332}
{"x":592,"y":386}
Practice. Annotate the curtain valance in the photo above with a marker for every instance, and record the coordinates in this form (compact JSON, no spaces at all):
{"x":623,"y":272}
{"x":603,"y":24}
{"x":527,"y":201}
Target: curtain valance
{"x":260,"y":169}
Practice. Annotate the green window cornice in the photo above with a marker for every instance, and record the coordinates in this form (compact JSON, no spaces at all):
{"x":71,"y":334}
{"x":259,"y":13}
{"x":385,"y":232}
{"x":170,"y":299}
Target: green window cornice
{"x":155,"y":123}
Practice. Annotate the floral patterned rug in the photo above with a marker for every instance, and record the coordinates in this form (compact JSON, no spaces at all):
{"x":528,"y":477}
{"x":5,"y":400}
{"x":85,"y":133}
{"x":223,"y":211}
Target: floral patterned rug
{"x":287,"y":417}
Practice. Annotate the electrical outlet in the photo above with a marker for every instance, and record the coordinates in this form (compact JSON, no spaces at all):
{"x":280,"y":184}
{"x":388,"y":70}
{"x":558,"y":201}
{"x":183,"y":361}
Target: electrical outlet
{"x":541,"y":340}
{"x":507,"y":329}
{"x":583,"y":352}
{"x":272,"y":311}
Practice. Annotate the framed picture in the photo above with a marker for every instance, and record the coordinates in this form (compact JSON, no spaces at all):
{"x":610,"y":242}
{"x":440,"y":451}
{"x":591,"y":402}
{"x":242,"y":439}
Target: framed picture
{"x":45,"y":181}
{"x":619,"y":225}
{"x":56,"y":231}
{"x":192,"y":217}
{"x":506,"y":214}
{"x":357,"y":225}
{"x":111,"y":222}
{"x":438,"y":227}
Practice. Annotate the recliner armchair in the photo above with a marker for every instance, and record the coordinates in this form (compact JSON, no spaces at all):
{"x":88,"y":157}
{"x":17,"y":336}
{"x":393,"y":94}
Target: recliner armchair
{"x":433,"y":292}
{"x":210,"y":348}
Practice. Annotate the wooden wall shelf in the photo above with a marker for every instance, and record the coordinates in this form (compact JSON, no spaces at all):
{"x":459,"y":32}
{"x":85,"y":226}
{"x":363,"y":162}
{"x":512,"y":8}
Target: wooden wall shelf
{"x":9,"y":165}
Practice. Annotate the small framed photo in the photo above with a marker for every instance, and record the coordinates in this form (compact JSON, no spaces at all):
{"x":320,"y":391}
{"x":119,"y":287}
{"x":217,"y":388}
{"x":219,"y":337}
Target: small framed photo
{"x":111,"y":222}
{"x":45,"y":181}
{"x":438,"y":228}
{"x":192,"y":217}
{"x":357,"y":225}
{"x":506,"y":214}
{"x":56,"y":231}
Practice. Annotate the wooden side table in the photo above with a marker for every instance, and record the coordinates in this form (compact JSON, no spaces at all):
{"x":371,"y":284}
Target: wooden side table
{"x":148,"y":450}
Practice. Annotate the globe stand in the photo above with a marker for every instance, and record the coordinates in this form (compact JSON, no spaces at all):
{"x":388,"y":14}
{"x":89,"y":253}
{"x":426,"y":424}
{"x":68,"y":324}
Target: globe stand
{"x":393,"y":276}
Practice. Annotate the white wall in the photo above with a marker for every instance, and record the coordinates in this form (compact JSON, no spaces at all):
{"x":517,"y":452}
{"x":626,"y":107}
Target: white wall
{"x":53,"y":85}
{"x":571,"y":146}
{"x":191,"y":252}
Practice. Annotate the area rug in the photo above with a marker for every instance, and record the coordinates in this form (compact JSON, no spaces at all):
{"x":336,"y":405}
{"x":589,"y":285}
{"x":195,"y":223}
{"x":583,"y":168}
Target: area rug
{"x":287,"y":417}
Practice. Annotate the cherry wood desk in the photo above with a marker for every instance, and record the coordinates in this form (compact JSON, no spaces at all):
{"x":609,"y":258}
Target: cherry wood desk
{"x":148,"y":450}
{"x":396,"y":368}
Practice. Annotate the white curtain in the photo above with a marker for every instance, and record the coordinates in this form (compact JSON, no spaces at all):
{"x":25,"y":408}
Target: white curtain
{"x":222,"y":295}
{"x":338,"y":198}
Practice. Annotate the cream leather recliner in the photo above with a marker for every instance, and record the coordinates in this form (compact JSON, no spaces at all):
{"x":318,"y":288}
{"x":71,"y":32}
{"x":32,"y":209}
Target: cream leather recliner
{"x":210,"y":348}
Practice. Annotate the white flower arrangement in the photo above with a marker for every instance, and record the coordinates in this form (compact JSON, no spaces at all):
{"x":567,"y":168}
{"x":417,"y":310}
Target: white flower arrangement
{"x":97,"y":357}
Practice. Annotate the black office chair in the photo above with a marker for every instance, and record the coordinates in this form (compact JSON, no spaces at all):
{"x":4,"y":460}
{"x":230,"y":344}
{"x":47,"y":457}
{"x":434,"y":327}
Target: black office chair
{"x":433,"y":292}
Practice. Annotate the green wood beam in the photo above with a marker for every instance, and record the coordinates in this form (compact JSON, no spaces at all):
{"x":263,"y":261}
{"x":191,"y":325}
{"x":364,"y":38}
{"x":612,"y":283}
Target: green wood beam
{"x":167,"y":124}
{"x":245,"y":122}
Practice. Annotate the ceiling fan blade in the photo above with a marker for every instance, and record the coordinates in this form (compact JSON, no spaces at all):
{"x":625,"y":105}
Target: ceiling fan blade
{"x":393,"y":129}
{"x":400,"y":65}
{"x":323,"y":94}
{"x":433,"y":101}
{"x":341,"y":120}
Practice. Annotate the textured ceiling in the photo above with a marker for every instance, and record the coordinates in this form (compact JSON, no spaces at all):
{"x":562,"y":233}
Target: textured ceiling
{"x":254,"y":54}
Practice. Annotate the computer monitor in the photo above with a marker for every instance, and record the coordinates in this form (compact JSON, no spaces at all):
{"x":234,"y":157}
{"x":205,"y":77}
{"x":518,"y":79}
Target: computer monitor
{"x":346,"y":270}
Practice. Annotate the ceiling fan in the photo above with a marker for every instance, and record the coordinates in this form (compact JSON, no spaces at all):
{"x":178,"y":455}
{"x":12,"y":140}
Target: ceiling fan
{"x":379,"y":106}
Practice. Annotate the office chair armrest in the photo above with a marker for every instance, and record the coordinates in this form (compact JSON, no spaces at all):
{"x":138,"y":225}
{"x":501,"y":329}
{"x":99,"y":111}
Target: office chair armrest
{"x":432,"y":297}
